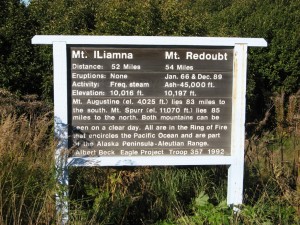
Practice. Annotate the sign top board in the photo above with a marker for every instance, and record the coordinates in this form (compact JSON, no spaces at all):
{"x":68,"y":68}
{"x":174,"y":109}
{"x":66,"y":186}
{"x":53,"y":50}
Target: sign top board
{"x":149,"y":40}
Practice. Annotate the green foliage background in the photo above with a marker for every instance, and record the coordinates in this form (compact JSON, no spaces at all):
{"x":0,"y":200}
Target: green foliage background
{"x":149,"y":195}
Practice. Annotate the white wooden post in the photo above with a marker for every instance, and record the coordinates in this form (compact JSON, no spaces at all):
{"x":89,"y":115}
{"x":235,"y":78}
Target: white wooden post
{"x":236,"y":169}
{"x":61,"y":126}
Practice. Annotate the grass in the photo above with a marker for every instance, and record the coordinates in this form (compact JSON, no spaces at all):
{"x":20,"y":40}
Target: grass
{"x":26,"y":170}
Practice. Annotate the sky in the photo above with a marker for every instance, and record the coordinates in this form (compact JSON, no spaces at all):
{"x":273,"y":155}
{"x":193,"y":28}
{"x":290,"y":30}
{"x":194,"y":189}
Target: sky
{"x":25,"y":1}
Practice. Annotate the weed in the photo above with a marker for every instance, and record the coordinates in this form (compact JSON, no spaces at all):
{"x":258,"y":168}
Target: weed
{"x":26,"y":170}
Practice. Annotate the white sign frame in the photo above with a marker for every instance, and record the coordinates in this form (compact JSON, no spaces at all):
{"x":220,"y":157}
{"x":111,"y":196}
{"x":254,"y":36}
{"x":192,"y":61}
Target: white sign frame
{"x":235,"y":161}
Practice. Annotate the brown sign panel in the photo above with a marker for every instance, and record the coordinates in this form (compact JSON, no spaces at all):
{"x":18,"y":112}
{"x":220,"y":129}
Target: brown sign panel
{"x":150,"y":101}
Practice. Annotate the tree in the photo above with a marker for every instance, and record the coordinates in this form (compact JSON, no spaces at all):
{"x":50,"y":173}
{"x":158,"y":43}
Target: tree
{"x":273,"y":69}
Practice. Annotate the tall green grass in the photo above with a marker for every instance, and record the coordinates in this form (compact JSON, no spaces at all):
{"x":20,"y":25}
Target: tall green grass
{"x":26,"y":170}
